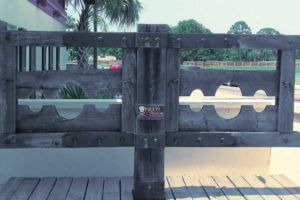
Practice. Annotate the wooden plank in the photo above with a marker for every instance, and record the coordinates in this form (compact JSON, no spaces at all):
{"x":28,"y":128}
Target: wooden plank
{"x":179,"y":189}
{"x":78,"y":189}
{"x":288,"y":185}
{"x":277,"y":188}
{"x":57,"y":58}
{"x":49,"y":83}
{"x":32,"y":58}
{"x":286,"y":91}
{"x":48,"y":120}
{"x":43,"y":189}
{"x":8,"y":101}
{"x":208,"y":120}
{"x":211,"y":188}
{"x":195,"y":188}
{"x":196,"y":78}
{"x":261,"y":188}
{"x":228,"y":188}
{"x":151,"y":81}
{"x":10,"y":188}
{"x":172,"y":90}
{"x":129,"y":90}
{"x":94,"y":189}
{"x":243,"y":186}
{"x":126,"y":188}
{"x":50,"y":58}
{"x":168,"y":191}
{"x":111,"y":189}
{"x":60,"y":189}
{"x":26,"y":189}
{"x":44,"y":58}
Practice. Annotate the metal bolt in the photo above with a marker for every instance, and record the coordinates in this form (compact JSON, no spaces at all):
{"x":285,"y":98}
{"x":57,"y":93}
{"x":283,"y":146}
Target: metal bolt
{"x":124,"y":41}
{"x":145,"y":143}
{"x":222,"y":139}
{"x":199,"y":139}
{"x":178,"y":42}
{"x":286,"y":83}
{"x":147,"y":42}
{"x":122,"y":140}
{"x":157,"y":41}
{"x":100,"y":141}
{"x":149,"y":187}
{"x":226,"y":40}
{"x":75,"y":141}
{"x":176,"y":80}
{"x":176,"y":140}
{"x":202,"y":40}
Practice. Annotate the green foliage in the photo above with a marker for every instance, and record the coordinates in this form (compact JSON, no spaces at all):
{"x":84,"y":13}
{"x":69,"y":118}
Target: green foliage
{"x":116,"y":52}
{"x":268,"y":31}
{"x":104,"y":94}
{"x":71,"y":91}
{"x":240,"y":28}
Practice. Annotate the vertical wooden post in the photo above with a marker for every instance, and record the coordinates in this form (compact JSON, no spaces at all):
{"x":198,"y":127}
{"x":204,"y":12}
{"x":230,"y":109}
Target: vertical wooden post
{"x":50,"y":58}
{"x":151,"y":90}
{"x":32,"y":58}
{"x":286,"y":65}
{"x":44,"y":57}
{"x":8,"y":102}
{"x":57,"y":58}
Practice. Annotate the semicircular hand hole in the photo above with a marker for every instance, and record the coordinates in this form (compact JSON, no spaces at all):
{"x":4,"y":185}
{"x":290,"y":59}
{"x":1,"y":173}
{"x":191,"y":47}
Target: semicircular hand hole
{"x":261,"y":100}
{"x":226,"y":101}
{"x":195,"y":100}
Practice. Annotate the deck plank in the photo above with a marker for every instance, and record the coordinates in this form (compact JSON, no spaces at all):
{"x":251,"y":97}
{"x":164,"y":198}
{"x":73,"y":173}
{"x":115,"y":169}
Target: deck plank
{"x":78,"y":189}
{"x":43,"y":189}
{"x":212,"y":189}
{"x":10,"y":188}
{"x":228,"y":188}
{"x":243,"y":186}
{"x":127,"y":188}
{"x":273,"y":185}
{"x":178,"y":187}
{"x":94,"y":189}
{"x":168,"y":191}
{"x":288,"y":184}
{"x":26,"y":189}
{"x":111,"y":189}
{"x":194,"y":187}
{"x":261,"y":188}
{"x":60,"y":189}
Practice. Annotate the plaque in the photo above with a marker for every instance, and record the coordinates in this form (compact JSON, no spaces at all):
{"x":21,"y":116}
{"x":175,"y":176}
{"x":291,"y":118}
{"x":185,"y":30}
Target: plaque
{"x":150,"y":112}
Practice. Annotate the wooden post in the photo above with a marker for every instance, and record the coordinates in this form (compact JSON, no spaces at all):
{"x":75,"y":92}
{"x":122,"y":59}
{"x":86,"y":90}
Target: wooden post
{"x":286,"y":65}
{"x":151,"y":90}
{"x":8,"y":102}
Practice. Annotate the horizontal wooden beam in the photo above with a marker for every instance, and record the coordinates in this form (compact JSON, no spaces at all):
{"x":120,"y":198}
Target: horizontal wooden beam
{"x":176,"y":139}
{"x":150,"y":40}
{"x":49,"y":82}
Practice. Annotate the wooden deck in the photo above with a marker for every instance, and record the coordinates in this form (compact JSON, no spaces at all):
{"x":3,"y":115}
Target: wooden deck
{"x":276,"y":187}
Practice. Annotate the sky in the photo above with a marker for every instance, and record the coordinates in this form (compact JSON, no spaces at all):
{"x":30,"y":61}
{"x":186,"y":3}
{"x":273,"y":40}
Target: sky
{"x":219,"y":15}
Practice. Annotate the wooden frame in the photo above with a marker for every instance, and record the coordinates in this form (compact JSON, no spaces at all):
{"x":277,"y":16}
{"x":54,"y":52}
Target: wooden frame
{"x":150,"y":76}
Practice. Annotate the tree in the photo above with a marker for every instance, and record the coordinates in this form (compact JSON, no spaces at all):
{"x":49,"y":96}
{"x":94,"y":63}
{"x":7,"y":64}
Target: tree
{"x":192,"y":26}
{"x":268,"y":31}
{"x":267,"y":54}
{"x":119,"y":12}
{"x":239,"y":28}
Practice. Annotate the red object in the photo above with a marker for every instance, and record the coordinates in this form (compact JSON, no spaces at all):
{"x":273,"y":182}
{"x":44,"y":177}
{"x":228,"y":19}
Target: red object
{"x":115,"y":67}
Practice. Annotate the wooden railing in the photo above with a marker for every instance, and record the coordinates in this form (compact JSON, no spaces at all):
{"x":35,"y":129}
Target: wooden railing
{"x":150,"y":78}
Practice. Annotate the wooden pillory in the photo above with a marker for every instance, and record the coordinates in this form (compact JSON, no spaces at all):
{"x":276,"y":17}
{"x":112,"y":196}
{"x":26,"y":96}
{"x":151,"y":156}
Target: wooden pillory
{"x":150,"y":117}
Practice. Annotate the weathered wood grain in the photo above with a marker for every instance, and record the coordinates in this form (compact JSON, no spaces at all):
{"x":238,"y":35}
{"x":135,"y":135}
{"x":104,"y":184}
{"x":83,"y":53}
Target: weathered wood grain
{"x":26,"y":188}
{"x":43,"y":60}
{"x":111,"y":189}
{"x":209,"y":81}
{"x":228,"y":188}
{"x":129,"y":90}
{"x":43,"y":189}
{"x":10,"y":188}
{"x":194,"y":187}
{"x":57,"y":59}
{"x":60,"y":189}
{"x":276,"y":188}
{"x":286,"y":91}
{"x":260,"y":187}
{"x":49,"y":82}
{"x":243,"y":186}
{"x":50,"y":58}
{"x":48,"y":120}
{"x":248,"y":120}
{"x":22,"y":58}
{"x":8,"y":101}
{"x":151,"y":81}
{"x":126,"y":188}
{"x":78,"y":189}
{"x":172,"y":90}
{"x":179,"y":189}
{"x":94,"y":189}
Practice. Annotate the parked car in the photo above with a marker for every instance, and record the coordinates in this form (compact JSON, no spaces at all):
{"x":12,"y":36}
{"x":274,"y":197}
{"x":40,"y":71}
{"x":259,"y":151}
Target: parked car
{"x":115,"y":67}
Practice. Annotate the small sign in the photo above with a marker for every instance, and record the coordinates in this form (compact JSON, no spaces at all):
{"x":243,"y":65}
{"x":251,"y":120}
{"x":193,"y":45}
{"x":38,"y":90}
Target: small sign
{"x":150,"y":112}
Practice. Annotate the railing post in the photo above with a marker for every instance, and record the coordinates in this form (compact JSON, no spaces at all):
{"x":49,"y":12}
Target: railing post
{"x":8,"y":72}
{"x":286,"y":65}
{"x":151,"y":91}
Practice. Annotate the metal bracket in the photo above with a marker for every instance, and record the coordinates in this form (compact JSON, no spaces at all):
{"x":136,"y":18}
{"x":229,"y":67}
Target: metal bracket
{"x":150,"y":141}
{"x":152,"y":40}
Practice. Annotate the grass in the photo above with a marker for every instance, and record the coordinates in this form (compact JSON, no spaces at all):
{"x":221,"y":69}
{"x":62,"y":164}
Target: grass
{"x":262,"y":68}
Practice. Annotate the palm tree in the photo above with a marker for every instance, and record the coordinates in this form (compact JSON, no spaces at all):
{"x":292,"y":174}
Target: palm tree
{"x":119,"y":12}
